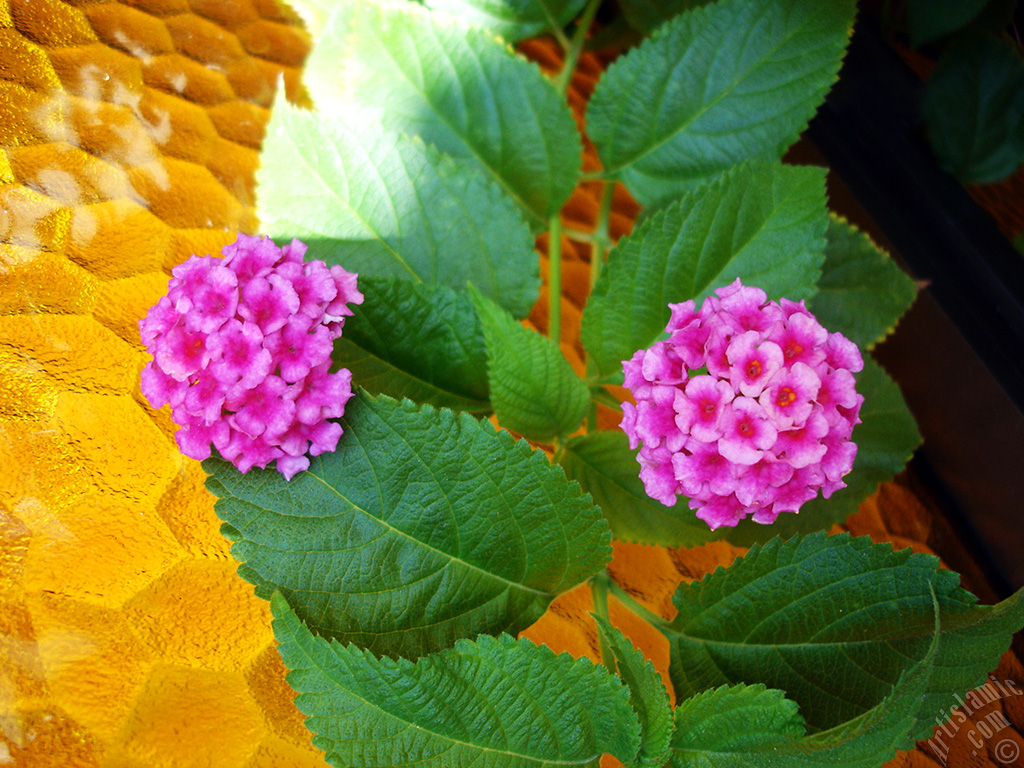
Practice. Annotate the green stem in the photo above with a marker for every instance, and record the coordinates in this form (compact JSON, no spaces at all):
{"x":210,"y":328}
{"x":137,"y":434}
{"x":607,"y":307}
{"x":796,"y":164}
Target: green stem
{"x":634,"y":606}
{"x":555,"y":279}
{"x":602,"y":240}
{"x":572,"y":55}
{"x":560,"y":36}
{"x":592,"y":417}
{"x":599,"y":593}
{"x":559,"y":444}
{"x":600,"y":244}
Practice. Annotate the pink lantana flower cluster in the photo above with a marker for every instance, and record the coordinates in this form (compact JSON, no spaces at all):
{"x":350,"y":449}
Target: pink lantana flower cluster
{"x":747,"y":408}
{"x":241,"y":351}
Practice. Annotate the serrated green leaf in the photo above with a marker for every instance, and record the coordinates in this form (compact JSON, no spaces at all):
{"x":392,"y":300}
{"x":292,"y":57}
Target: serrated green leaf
{"x":514,"y":20}
{"x":832,"y":621}
{"x":424,"y":526}
{"x":886,"y":438}
{"x":419,"y":341}
{"x":754,"y":727}
{"x":605,"y":466}
{"x":493,"y":703}
{"x":929,"y":20}
{"x":734,"y":80}
{"x":458,"y":88}
{"x":861,"y":293}
{"x":647,"y":694}
{"x":386,"y":205}
{"x":729,"y":725}
{"x":534,"y":390}
{"x":762,"y":222}
{"x":647,"y":15}
{"x":974,"y":109}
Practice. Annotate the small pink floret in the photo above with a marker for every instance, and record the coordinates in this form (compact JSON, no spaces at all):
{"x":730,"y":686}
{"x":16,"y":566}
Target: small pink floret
{"x":241,"y":351}
{"x":747,"y":408}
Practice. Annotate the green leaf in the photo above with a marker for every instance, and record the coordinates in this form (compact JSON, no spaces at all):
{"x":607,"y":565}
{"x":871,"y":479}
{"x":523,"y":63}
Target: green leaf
{"x":886,"y":438}
{"x":605,"y":466}
{"x":832,"y":621}
{"x":647,"y":694}
{"x":735,"y":80}
{"x":534,"y":390}
{"x":752,"y":726}
{"x":928,"y":20}
{"x":459,"y":88}
{"x":731,"y":725}
{"x":862,"y":293}
{"x":762,"y":222}
{"x":386,"y":205}
{"x":493,"y":703}
{"x":419,"y":341}
{"x":974,"y":109}
{"x":424,"y":526}
{"x":514,"y":20}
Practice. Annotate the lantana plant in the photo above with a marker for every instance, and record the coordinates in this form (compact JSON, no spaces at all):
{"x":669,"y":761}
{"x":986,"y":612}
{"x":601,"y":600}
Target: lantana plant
{"x":404,"y":541}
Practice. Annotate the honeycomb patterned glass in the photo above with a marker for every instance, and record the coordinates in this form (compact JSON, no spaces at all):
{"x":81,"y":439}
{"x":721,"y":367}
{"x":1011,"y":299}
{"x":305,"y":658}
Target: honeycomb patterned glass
{"x":129,"y":137}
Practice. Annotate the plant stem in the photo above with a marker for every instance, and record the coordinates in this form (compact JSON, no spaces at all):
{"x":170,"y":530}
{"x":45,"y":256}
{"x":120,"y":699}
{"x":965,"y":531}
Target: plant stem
{"x":556,"y":458}
{"x":600,"y":243}
{"x":560,"y":35}
{"x":633,"y":605}
{"x":599,"y":593}
{"x":602,"y":238}
{"x":572,"y":55}
{"x":555,"y":279}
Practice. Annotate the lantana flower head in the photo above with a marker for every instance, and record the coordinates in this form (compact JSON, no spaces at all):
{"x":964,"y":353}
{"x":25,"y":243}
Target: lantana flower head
{"x":747,"y":408}
{"x":241,"y":351}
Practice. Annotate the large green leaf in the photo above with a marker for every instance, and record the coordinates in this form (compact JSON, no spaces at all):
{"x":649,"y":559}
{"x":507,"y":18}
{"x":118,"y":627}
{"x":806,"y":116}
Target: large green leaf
{"x":512,"y":19}
{"x":832,"y":621}
{"x":886,"y":438}
{"x":457,"y":87}
{"x":386,"y":205}
{"x":424,"y":526}
{"x":534,"y":390}
{"x":929,"y":20}
{"x":647,"y":694}
{"x":419,"y":341}
{"x":762,"y":222}
{"x":974,"y":109}
{"x":862,"y":293}
{"x":493,"y":703}
{"x":606,"y":467}
{"x":734,"y":80}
